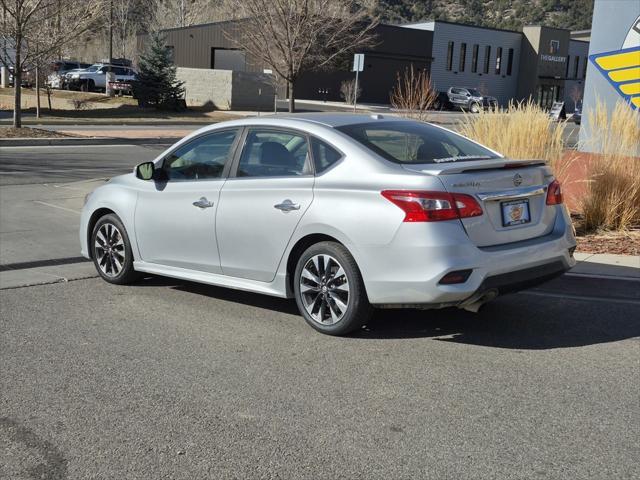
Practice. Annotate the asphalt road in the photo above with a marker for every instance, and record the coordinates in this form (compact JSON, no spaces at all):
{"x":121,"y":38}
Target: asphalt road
{"x":30,"y":165}
{"x":169,"y":379}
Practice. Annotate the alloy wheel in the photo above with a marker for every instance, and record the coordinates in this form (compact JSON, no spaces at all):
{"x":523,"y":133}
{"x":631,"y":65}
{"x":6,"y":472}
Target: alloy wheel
{"x":324,"y":288}
{"x":109,"y":250}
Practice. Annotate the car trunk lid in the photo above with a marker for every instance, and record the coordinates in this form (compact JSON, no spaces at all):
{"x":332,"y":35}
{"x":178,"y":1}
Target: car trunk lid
{"x":512,"y":194}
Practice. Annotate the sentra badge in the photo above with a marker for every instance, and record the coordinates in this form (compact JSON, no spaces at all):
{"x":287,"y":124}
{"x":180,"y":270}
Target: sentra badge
{"x":622,"y":67}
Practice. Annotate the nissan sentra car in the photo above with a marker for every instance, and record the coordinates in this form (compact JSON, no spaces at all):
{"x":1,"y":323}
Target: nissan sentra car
{"x":342,"y":212}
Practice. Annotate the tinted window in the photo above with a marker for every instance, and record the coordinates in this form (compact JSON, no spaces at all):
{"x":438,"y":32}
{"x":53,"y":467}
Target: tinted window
{"x":463,"y":56}
{"x":271,"y":153}
{"x":474,"y":59}
{"x":413,"y":142}
{"x":450,"y":56}
{"x":323,"y":155}
{"x":203,"y":158}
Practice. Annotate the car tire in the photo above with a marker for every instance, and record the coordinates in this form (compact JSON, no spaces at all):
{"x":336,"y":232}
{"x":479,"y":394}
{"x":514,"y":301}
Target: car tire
{"x":474,"y":108}
{"x":329,"y":290}
{"x":111,"y":251}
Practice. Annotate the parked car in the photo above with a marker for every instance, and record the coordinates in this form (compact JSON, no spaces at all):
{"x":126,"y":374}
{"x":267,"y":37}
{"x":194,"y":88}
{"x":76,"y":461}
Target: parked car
{"x":95,"y":77}
{"x":470,"y":99}
{"x":341,"y":212}
{"x":28,"y":78}
{"x":442,"y":102}
{"x":59,"y":69}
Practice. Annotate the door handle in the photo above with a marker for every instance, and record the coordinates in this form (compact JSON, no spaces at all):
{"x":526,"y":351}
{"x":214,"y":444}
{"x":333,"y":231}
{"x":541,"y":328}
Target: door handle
{"x":203,"y":203}
{"x":287,"y":205}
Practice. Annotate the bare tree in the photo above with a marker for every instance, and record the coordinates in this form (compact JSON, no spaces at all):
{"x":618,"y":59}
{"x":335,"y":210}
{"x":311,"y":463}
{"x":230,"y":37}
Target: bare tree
{"x":291,"y":36}
{"x":182,"y":13}
{"x":576,"y":95}
{"x":36,"y":29}
{"x":413,"y":95}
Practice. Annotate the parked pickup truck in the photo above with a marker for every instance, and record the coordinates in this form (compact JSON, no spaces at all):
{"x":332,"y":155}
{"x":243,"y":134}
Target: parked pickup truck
{"x":95,"y":77}
{"x":470,"y":99}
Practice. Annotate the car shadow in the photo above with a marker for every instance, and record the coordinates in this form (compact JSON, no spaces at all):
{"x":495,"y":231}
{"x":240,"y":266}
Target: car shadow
{"x":518,"y":321}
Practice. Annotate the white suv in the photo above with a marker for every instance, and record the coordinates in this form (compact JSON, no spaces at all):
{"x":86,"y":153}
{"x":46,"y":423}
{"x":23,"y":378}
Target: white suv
{"x":95,"y":77}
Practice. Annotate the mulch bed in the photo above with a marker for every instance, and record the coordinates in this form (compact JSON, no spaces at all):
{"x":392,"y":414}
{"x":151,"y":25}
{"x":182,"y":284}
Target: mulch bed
{"x":28,"y":132}
{"x":617,"y":243}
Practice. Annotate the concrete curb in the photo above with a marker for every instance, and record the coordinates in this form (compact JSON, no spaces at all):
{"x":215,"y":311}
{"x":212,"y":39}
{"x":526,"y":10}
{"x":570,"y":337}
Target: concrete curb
{"x":37,"y":142}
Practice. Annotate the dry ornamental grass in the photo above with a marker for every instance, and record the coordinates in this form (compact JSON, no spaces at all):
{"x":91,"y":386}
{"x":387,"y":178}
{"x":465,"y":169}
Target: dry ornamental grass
{"x":612,"y":201}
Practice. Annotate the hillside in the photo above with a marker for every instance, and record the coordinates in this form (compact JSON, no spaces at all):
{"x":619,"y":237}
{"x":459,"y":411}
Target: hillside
{"x":509,"y":14}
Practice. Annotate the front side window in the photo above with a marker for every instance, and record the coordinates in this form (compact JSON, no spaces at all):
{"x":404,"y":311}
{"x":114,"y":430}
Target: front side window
{"x":274,"y":153}
{"x":202,"y":159}
{"x":415,"y":143}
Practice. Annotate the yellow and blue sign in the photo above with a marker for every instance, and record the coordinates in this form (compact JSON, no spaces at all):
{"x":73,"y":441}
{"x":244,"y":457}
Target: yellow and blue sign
{"x":622,"y":69}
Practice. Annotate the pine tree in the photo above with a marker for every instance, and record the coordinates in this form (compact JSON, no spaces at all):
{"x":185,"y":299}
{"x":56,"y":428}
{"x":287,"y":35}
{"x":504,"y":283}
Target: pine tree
{"x":157,"y":85}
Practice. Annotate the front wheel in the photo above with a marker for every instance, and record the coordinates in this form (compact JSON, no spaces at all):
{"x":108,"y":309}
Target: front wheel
{"x":475,"y":108}
{"x":111,"y":248}
{"x":329,"y":289}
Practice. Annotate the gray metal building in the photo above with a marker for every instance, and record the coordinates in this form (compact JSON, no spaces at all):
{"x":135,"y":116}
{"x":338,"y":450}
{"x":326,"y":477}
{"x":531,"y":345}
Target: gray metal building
{"x":541,"y":63}
{"x":212,"y":46}
{"x":467,"y":56}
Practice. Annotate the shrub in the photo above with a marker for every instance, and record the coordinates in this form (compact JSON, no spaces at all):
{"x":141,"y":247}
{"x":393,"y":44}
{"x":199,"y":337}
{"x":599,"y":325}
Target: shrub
{"x":521,"y":131}
{"x":413,"y":94}
{"x":612,"y":200}
{"x":347,"y":91}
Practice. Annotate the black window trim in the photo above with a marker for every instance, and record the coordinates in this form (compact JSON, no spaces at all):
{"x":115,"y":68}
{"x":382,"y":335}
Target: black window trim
{"x":227,"y":167}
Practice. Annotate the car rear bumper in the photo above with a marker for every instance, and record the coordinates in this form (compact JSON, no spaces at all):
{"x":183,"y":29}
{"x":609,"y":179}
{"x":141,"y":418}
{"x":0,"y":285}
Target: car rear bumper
{"x":415,"y":280}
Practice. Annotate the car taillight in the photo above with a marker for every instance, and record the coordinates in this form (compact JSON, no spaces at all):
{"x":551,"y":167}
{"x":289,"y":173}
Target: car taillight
{"x":420,"y":206}
{"x":554,"y":193}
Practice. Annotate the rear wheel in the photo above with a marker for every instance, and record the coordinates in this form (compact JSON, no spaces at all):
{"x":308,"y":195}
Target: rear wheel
{"x":111,"y":248}
{"x":329,"y":290}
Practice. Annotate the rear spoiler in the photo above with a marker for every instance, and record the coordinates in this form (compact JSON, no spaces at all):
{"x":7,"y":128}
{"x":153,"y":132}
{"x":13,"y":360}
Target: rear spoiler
{"x":476,"y":165}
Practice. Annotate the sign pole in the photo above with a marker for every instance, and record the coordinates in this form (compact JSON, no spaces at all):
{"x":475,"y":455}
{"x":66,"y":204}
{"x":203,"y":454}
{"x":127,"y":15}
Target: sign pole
{"x":355,"y":92}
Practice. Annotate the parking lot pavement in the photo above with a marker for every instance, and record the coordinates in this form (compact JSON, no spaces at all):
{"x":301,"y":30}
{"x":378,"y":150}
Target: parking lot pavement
{"x":168,"y":379}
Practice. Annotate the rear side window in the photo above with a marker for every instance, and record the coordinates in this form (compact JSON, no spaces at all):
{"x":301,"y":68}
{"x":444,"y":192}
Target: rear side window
{"x":274,"y":153}
{"x":415,"y":143}
{"x":324,"y":156}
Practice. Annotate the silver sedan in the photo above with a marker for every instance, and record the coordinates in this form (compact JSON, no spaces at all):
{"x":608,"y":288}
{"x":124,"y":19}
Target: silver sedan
{"x":341,"y":212}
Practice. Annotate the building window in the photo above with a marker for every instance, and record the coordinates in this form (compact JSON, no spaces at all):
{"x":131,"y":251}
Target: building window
{"x":463,"y":55}
{"x":487,"y":58}
{"x":450,"y":56}
{"x":498,"y":60}
{"x":584,"y":68}
{"x":575,"y":67}
{"x":510,"y":62}
{"x":474,"y":58}
{"x":566,"y":74}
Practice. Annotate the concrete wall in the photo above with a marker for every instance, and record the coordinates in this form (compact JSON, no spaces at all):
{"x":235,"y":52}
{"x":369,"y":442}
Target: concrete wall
{"x":227,"y":89}
{"x":501,"y":86}
{"x":615,"y":29}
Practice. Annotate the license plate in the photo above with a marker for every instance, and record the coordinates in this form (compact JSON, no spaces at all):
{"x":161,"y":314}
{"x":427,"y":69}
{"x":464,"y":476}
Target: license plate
{"x":515,"y":212}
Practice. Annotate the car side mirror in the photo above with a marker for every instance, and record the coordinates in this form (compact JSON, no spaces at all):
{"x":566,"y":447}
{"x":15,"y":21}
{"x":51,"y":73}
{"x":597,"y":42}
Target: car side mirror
{"x":145,"y":171}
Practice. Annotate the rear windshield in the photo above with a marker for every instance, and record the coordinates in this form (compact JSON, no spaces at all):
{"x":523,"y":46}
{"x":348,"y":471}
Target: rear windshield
{"x":415,"y":143}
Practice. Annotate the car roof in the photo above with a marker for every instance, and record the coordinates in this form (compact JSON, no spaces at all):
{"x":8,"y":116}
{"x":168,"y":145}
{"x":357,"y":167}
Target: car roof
{"x":333,"y":119}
